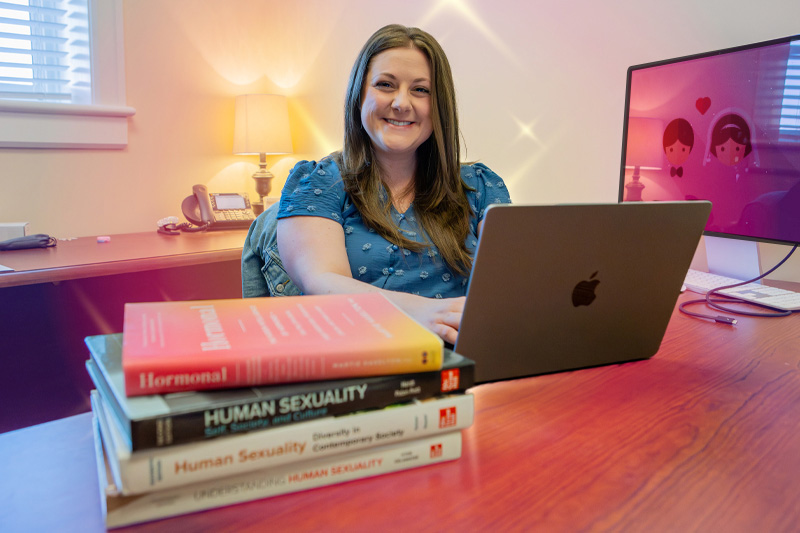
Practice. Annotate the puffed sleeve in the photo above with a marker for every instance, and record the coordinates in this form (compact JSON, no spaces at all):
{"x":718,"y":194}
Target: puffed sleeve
{"x":489,"y":188}
{"x":313,"y":189}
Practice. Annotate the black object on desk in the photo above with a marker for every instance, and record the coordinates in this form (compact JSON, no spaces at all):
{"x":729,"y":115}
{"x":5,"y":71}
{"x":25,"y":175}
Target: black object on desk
{"x":40,"y":240}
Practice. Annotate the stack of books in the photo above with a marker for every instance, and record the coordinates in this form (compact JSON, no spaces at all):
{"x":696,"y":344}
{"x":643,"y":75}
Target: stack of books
{"x":210,"y":403}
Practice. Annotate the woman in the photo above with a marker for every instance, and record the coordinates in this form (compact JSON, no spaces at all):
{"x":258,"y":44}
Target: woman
{"x":394,"y":211}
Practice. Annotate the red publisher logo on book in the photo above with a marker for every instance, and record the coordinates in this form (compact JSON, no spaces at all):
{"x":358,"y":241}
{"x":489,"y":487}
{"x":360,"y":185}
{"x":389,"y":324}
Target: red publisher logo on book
{"x":436,"y":451}
{"x":447,"y":417}
{"x":450,"y":380}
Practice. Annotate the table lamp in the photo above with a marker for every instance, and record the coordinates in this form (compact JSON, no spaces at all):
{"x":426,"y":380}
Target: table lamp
{"x":644,"y":151}
{"x":262,"y":127}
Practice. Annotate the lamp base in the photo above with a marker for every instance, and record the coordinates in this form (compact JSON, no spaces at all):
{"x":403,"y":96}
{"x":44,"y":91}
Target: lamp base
{"x":263,"y":179}
{"x":263,"y":183}
{"x":634,"y":188}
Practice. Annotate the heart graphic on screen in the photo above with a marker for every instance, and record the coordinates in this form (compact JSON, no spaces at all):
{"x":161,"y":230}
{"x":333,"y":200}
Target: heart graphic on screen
{"x":702,"y":104}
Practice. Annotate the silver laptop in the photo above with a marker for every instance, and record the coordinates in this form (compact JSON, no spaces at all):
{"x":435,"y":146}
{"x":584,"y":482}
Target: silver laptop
{"x":562,"y":287}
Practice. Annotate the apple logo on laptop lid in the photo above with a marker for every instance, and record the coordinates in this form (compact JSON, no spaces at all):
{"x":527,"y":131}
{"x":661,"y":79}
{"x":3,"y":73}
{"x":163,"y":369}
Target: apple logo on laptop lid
{"x":583,"y":293}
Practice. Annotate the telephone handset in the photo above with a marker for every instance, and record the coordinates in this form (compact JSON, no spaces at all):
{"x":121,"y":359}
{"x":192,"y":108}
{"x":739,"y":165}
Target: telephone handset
{"x":216,"y":211}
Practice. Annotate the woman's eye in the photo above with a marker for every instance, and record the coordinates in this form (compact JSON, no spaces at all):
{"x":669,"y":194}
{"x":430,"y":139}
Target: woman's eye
{"x":423,"y":90}
{"x":383,"y":84}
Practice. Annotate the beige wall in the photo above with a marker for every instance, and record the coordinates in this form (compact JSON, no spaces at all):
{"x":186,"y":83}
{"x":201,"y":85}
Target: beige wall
{"x":541,"y":88}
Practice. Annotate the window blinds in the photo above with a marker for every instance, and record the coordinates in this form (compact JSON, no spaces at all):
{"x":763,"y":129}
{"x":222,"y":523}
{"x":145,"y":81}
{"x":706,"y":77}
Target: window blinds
{"x":45,"y":51}
{"x":790,"y":108}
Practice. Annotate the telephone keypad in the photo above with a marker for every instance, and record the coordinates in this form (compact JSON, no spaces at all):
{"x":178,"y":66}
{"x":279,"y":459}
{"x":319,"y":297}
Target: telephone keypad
{"x":232,"y":218}
{"x":235,"y":214}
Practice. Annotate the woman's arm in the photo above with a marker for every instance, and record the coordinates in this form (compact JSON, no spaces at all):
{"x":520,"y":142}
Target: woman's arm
{"x":313,"y":252}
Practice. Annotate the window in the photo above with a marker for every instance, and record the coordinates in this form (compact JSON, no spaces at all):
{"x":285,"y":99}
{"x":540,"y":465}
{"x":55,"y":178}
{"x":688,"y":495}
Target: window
{"x":62,"y":74}
{"x":790,"y":108}
{"x":44,"y":51}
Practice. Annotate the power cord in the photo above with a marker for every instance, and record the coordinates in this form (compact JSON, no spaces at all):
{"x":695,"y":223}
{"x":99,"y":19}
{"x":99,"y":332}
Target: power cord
{"x":170,"y":226}
{"x":713,"y":299}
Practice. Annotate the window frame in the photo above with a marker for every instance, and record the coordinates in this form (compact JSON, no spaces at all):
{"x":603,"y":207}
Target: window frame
{"x":100,"y":125}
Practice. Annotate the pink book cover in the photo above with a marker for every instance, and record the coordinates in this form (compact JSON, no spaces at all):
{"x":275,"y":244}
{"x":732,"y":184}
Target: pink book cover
{"x":216,"y":344}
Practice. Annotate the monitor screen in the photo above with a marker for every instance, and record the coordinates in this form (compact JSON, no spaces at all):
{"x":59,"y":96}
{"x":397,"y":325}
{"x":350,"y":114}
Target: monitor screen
{"x":722,"y":126}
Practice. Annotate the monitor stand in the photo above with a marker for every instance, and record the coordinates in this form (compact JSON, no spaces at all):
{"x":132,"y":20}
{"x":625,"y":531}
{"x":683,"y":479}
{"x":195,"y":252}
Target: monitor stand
{"x":734,"y":258}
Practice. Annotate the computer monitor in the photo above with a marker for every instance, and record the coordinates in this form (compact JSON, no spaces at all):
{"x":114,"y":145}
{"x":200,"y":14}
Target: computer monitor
{"x":722,"y":126}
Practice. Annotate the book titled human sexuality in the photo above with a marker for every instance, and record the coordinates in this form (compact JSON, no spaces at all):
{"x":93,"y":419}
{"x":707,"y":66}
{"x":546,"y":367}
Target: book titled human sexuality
{"x":169,"y":419}
{"x":215,"y":344}
{"x":173,"y":466}
{"x":126,"y":510}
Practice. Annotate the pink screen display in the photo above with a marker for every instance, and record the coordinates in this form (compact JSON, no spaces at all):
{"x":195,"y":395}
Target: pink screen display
{"x":724,"y":128}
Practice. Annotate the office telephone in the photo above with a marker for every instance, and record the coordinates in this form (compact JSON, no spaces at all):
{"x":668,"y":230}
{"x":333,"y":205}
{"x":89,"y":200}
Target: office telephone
{"x":217,"y":211}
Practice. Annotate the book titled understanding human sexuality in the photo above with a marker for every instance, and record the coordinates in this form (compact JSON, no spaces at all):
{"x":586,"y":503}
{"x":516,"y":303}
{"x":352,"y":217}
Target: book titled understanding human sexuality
{"x":216,"y":344}
{"x":169,"y":419}
{"x":125,"y":510}
{"x":174,"y":466}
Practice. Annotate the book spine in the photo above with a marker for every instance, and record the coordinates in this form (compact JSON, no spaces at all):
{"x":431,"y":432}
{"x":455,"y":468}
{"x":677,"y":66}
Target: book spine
{"x":163,"y":468}
{"x":126,"y":510}
{"x":152,"y":379}
{"x":326,"y":399}
{"x":141,"y":380}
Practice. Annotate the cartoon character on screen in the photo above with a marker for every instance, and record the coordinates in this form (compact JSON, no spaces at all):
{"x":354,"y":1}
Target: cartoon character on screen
{"x":678,"y":142}
{"x":730,"y":139}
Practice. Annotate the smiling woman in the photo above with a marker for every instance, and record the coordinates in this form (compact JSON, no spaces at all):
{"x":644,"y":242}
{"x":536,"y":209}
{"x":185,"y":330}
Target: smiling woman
{"x":395,"y":211}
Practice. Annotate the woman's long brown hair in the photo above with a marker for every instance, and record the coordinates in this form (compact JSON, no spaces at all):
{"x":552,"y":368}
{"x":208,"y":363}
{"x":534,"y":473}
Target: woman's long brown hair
{"x":440,"y":201}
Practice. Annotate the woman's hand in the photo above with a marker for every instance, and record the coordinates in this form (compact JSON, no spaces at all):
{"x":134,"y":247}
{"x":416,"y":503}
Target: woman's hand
{"x":442,"y":316}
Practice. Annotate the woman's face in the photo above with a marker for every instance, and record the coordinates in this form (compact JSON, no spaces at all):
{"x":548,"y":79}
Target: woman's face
{"x":396,"y":102}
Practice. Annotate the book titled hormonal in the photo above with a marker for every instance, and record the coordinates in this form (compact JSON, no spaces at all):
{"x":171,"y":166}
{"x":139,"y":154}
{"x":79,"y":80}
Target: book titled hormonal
{"x":215,"y":344}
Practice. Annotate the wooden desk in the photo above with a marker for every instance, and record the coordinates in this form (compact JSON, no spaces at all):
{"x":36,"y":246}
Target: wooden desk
{"x":84,"y":257}
{"x":703,"y":437}
{"x":58,"y":296}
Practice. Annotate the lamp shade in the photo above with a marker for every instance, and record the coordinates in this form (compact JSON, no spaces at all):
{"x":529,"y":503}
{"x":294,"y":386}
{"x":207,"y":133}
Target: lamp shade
{"x":644,"y":143}
{"x":262,"y":125}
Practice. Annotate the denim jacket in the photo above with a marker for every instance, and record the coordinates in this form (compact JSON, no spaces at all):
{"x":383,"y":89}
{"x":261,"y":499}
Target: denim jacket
{"x":262,"y":270}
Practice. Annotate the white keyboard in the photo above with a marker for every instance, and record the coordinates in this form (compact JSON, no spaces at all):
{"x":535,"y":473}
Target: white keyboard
{"x":702,"y":282}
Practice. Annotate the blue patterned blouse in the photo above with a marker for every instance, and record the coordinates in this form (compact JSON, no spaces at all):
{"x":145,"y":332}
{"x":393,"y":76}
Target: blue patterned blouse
{"x":316,"y":189}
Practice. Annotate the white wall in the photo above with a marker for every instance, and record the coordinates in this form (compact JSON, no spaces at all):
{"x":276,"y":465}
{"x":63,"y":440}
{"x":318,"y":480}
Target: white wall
{"x":541,"y":88}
